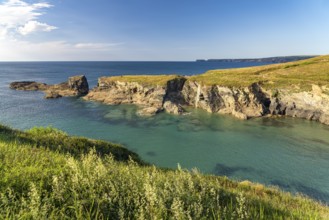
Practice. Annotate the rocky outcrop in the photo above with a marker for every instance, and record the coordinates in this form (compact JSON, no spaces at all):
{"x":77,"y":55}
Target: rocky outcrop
{"x":243,"y":103}
{"x":28,"y":86}
{"x":311,"y":105}
{"x":75,"y":86}
{"x":152,"y":98}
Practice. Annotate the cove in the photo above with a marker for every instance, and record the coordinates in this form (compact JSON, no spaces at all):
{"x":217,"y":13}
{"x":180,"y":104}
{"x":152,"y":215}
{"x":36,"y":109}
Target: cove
{"x":287,"y":152}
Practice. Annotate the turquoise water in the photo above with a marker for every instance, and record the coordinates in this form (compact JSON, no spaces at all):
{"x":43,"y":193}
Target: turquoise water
{"x":290,"y":153}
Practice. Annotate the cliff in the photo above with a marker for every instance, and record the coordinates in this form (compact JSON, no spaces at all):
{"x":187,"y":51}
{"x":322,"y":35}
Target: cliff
{"x":296,"y":89}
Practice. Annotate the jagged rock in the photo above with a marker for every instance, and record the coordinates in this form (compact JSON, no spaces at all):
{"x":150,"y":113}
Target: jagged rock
{"x":250,"y":101}
{"x":79,"y":84}
{"x":173,"y":108}
{"x":75,"y":86}
{"x":52,"y":95}
{"x":239,"y":115}
{"x":148,"y":111}
{"x":28,"y":86}
{"x":243,"y":103}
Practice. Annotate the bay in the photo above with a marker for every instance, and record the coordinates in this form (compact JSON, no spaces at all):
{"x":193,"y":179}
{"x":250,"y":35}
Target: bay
{"x":290,"y":153}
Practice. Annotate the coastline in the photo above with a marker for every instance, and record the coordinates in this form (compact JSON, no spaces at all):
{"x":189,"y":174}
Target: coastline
{"x":270,"y":90}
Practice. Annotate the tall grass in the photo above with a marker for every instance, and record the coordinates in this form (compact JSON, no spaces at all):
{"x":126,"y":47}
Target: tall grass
{"x":43,"y":183}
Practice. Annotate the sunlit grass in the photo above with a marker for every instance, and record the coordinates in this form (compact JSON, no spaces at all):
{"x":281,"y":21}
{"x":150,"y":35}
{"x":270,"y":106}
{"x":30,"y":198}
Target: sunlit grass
{"x":299,"y":75}
{"x":147,"y":80}
{"x":42,"y":182}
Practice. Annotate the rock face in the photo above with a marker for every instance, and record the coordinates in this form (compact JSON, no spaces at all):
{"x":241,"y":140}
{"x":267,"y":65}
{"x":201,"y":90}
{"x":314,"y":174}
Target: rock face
{"x":312,"y":105}
{"x":151,"y":98}
{"x":243,"y":103}
{"x":78,"y":84}
{"x":75,"y":86}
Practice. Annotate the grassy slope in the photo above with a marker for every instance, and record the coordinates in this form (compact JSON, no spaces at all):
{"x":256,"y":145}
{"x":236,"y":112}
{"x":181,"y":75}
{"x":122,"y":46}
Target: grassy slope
{"x":42,"y":177}
{"x":299,"y":75}
{"x":160,"y":80}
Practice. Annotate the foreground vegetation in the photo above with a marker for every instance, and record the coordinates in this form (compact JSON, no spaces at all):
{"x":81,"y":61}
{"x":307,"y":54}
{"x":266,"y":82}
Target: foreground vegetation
{"x":46,"y":174}
{"x":299,"y":75}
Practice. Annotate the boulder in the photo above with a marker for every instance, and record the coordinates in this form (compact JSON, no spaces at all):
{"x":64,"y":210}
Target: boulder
{"x":173,"y":108}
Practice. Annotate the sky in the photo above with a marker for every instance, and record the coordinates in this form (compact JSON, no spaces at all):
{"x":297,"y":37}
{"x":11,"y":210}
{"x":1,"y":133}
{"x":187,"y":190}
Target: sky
{"x":161,"y":30}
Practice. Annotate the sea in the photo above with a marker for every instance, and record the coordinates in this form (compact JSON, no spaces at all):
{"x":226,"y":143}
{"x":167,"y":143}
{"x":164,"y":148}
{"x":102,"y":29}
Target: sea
{"x":289,"y":153}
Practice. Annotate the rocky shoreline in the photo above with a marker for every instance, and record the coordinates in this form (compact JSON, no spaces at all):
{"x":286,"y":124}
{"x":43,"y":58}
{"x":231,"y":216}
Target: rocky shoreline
{"x":75,"y":86}
{"x":243,"y":103}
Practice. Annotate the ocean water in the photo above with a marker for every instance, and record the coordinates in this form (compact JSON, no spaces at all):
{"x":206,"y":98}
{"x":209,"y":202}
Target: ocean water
{"x":287,"y":152}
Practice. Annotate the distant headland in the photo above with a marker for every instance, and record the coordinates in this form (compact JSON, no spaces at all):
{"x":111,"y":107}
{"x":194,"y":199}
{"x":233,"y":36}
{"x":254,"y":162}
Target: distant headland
{"x":281,"y":59}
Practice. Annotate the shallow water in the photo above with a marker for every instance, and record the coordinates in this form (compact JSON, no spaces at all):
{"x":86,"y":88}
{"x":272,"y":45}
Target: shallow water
{"x":287,"y":152}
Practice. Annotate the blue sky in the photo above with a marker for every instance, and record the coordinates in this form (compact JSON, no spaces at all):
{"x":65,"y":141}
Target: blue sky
{"x":175,"y":30}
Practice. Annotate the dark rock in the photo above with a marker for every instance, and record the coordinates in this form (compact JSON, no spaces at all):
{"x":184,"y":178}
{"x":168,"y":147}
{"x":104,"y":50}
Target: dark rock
{"x":28,"y":86}
{"x":173,"y":108}
{"x":79,"y":84}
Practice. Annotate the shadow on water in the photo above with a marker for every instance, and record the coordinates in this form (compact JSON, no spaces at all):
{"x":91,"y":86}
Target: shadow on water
{"x":151,"y":153}
{"x":319,"y":141}
{"x":272,"y":122}
{"x":224,"y":170}
{"x":303,"y":189}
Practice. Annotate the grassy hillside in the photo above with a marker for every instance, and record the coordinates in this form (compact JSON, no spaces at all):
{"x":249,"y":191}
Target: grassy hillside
{"x":147,"y":80}
{"x":299,"y":75}
{"x":46,"y":174}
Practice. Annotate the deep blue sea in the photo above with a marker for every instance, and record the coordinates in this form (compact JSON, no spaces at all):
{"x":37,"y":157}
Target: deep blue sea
{"x":290,"y":153}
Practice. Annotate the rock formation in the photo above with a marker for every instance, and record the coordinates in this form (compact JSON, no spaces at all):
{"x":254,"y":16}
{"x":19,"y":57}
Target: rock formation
{"x":75,"y":86}
{"x":153,"y":99}
{"x":243,"y":103}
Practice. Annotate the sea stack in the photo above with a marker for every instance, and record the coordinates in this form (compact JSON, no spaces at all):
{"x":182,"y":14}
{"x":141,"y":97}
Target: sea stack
{"x":75,"y":86}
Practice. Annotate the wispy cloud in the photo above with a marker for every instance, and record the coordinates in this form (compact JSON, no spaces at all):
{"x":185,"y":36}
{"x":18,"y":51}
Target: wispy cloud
{"x":96,"y":46}
{"x":55,"y":50}
{"x":21,"y":18}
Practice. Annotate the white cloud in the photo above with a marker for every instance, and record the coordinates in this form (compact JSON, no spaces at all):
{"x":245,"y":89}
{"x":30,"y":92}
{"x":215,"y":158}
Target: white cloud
{"x":17,"y":50}
{"x":95,"y":46}
{"x":19,"y":17}
{"x":34,"y":26}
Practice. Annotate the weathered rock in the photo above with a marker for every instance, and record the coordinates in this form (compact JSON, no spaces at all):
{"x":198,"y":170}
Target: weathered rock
{"x":78,"y":84}
{"x":75,"y":86}
{"x":312,"y":105}
{"x":148,"y":111}
{"x":173,"y":108}
{"x":127,"y":93}
{"x":250,"y":101}
{"x":52,"y":95}
{"x":28,"y":86}
{"x":242,"y":103}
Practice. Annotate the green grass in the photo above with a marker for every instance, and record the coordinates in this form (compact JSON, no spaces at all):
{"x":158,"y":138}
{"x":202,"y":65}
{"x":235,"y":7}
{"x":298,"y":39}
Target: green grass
{"x":295,"y":76}
{"x":299,"y":75}
{"x":40,"y":179}
{"x":147,"y":80}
